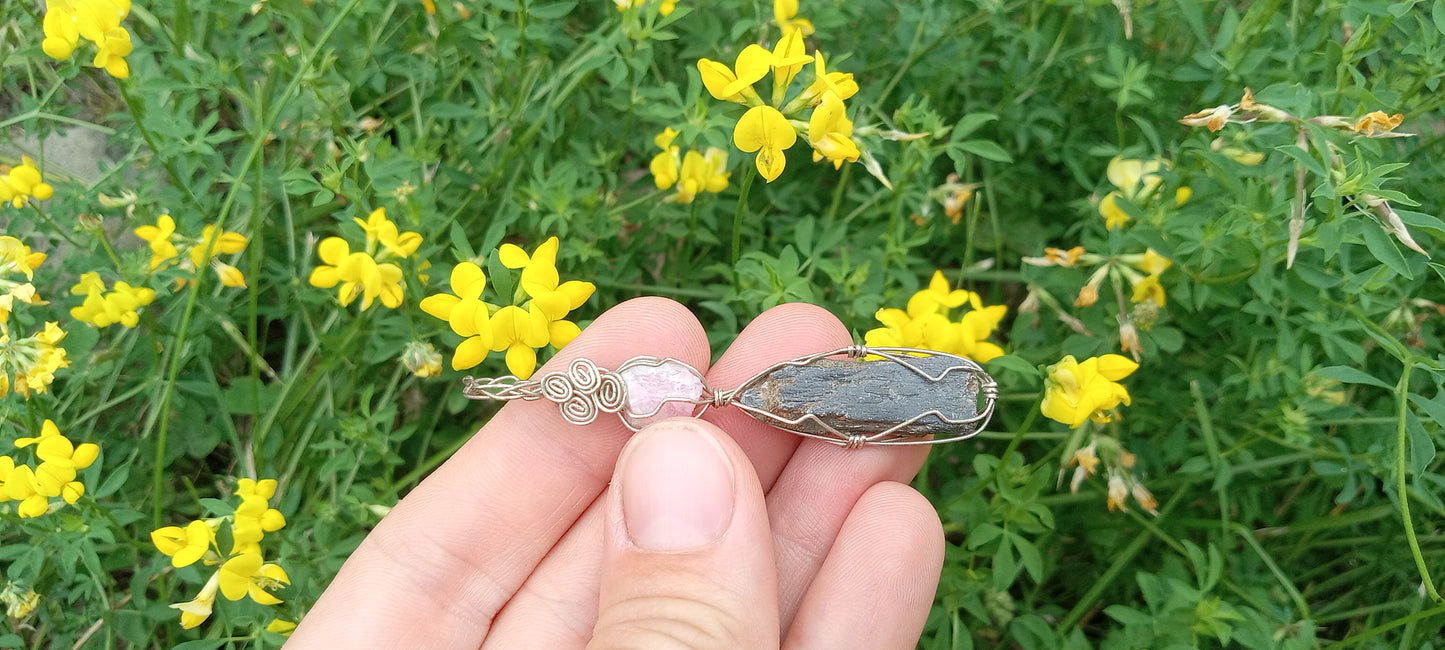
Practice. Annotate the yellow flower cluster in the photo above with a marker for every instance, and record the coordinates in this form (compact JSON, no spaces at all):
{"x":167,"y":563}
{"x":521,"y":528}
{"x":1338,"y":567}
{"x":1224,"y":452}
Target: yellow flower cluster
{"x":241,"y":572}
{"x":162,"y":239}
{"x":367,"y":273}
{"x":32,"y":360}
{"x":16,"y":258}
{"x":60,"y":459}
{"x":693,"y":173}
{"x":1138,"y":182}
{"x":520,"y":328}
{"x":103,"y":308}
{"x":23,"y":183}
{"x":66,"y":21}
{"x":1077,"y":392}
{"x":768,"y":128}
{"x":926,"y":324}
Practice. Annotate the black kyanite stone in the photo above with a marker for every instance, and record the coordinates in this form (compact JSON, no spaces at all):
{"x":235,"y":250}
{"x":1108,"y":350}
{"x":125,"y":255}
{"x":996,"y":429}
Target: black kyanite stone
{"x":864,"y":397}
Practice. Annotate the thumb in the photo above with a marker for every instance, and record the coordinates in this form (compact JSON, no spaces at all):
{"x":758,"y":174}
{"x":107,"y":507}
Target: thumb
{"x":688,"y":558}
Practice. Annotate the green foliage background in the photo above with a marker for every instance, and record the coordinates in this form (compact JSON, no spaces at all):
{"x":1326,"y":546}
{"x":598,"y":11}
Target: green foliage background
{"x":1269,"y":412}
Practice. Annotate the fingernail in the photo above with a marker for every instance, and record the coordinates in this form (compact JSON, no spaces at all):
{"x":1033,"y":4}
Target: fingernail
{"x":677,"y":487}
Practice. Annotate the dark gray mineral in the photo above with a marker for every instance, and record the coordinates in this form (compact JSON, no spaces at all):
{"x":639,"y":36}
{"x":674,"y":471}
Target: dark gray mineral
{"x":864,"y":397}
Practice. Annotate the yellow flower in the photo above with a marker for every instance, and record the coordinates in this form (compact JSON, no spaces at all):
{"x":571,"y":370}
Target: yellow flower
{"x":736,"y":84}
{"x":283,"y":627}
{"x":159,"y":237}
{"x":24,"y":183}
{"x":1076,"y":392}
{"x":226,"y":243}
{"x":540,"y":277}
{"x":252,"y":489}
{"x":938,"y":297}
{"x":421,"y":359}
{"x":702,"y":172}
{"x":664,"y":166}
{"x":519,"y":331}
{"x":32,"y":360}
{"x":184,"y":545}
{"x":103,"y":309}
{"x":20,"y":486}
{"x":358,"y":274}
{"x":465,"y":312}
{"x":246,"y":574}
{"x":16,"y":257}
{"x":831,"y":132}
{"x":841,"y":83}
{"x":230,"y":276}
{"x":1137,"y":181}
{"x":1149,"y":289}
{"x":99,"y":22}
{"x":381,"y":230}
{"x":763,"y":129}
{"x":789,"y":57}
{"x":251,"y":521}
{"x":195,"y":612}
{"x":61,"y":32}
{"x":1150,"y":262}
{"x":19,"y":602}
{"x":666,"y":7}
{"x":785,"y":13}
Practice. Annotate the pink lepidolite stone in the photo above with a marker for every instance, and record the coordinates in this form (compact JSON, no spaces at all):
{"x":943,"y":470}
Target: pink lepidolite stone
{"x":648,"y":386}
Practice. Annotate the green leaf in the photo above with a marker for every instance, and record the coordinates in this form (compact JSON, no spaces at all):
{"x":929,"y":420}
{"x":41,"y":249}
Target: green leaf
{"x":1029,"y":555}
{"x":201,"y":644}
{"x":983,"y":534}
{"x":1385,"y":250}
{"x":983,"y":149}
{"x":969,"y":124}
{"x":1005,"y":567}
{"x":1434,"y":408}
{"x":1422,"y":448}
{"x":1014,"y":363}
{"x":1350,"y":375}
{"x":551,"y":11}
{"x":1304,"y":158}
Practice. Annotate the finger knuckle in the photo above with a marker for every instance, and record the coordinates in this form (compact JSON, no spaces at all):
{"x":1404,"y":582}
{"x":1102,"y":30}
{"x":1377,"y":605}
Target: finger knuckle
{"x":668,"y":623}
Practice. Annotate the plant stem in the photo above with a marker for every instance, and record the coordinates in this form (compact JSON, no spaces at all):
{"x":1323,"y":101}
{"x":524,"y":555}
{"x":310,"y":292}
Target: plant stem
{"x":1402,"y":397}
{"x":178,"y":354}
{"x":741,"y":211}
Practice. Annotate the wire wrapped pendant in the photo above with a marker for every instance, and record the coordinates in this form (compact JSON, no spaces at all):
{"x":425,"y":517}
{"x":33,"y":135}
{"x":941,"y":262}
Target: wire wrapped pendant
{"x":853,"y":396}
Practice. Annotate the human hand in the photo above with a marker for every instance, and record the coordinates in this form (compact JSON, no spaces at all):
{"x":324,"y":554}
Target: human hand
{"x":714,"y":533}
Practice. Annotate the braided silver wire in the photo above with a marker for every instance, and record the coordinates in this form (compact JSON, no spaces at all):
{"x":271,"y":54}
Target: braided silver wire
{"x":580,"y":392}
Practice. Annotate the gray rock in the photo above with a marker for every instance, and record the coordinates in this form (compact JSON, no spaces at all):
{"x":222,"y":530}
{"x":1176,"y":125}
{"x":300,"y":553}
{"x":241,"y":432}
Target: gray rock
{"x":865,"y":397}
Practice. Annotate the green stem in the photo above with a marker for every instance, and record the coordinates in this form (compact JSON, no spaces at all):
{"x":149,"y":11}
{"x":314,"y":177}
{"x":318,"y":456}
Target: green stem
{"x":1380,"y":629}
{"x":741,"y":211}
{"x":178,"y":353}
{"x":1402,"y":397}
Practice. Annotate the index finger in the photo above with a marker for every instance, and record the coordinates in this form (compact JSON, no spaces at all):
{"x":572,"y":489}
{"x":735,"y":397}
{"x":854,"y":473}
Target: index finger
{"x":440,"y":566}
